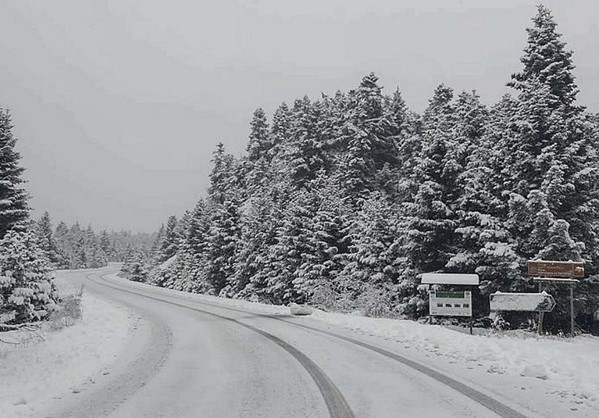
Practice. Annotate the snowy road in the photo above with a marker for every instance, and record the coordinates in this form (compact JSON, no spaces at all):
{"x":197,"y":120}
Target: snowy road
{"x":202,"y":359}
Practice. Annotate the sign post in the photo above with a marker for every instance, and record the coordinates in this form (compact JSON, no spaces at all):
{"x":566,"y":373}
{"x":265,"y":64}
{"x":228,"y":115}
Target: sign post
{"x":558,"y":272}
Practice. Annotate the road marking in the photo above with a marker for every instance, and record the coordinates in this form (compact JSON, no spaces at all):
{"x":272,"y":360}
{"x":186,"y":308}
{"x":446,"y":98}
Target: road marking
{"x":334,"y":399}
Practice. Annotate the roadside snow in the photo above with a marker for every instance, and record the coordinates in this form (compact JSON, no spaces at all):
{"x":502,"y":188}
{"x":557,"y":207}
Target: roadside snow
{"x":56,"y":364}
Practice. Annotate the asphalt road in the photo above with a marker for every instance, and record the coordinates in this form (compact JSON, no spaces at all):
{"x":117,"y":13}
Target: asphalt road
{"x":203,"y":359}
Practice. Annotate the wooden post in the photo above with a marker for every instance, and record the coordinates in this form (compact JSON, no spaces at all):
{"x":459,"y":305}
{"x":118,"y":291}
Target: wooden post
{"x":571,"y":310}
{"x":541,"y":316}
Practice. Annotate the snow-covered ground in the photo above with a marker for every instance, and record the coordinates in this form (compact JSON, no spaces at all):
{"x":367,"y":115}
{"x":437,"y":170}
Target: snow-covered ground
{"x":549,"y":376}
{"x":55,"y":364}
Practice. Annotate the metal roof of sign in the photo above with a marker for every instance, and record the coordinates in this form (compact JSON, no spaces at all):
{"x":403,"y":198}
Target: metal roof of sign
{"x":450,"y":278}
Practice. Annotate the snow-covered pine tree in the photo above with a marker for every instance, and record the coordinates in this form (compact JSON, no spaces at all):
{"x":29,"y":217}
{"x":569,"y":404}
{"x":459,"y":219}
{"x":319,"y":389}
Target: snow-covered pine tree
{"x":155,"y":248}
{"x":46,"y":241}
{"x":369,"y":140}
{"x":327,"y":243}
{"x":259,"y":143}
{"x":257,"y":233}
{"x":547,"y":60}
{"x":550,"y":150}
{"x":170,"y":240}
{"x":284,"y":257}
{"x":192,"y":250}
{"x":303,"y":154}
{"x":13,"y":197}
{"x":60,"y":236}
{"x":431,"y":215}
{"x":371,"y":275}
{"x":27,"y":291}
{"x":222,"y":244}
{"x":107,"y":246}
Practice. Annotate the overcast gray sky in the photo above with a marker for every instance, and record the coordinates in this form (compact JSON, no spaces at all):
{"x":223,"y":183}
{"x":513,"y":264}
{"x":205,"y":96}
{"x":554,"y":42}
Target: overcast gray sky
{"x":119,"y":104}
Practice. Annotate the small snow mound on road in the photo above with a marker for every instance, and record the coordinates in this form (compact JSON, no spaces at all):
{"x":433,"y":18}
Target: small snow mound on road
{"x":296,"y":309}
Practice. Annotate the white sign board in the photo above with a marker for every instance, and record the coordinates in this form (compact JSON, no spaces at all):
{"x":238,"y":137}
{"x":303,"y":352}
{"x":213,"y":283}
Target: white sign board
{"x":445,"y":303}
{"x":450,"y":278}
{"x":526,"y":302}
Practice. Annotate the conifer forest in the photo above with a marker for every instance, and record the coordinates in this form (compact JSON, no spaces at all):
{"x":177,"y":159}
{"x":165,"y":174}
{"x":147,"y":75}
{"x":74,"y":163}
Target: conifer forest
{"x":342,"y":201}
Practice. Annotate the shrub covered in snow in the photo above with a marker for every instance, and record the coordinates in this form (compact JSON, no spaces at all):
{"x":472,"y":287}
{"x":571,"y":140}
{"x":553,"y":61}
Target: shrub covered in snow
{"x":68,"y":311}
{"x":27,"y":292}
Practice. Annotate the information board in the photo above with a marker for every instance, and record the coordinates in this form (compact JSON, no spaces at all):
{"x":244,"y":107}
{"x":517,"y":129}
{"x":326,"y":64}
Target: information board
{"x":454,"y":303}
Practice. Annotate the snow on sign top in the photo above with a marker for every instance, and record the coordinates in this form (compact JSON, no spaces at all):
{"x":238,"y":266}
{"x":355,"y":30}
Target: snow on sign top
{"x":450,"y":278}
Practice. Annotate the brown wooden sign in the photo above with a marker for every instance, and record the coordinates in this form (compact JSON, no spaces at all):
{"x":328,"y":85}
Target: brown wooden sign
{"x":565,"y":269}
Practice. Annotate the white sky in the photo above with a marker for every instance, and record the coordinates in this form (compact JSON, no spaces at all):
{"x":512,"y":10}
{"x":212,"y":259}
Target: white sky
{"x":119,"y":104}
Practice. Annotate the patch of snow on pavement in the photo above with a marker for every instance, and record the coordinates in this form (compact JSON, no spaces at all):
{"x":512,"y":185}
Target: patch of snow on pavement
{"x":61,"y":363}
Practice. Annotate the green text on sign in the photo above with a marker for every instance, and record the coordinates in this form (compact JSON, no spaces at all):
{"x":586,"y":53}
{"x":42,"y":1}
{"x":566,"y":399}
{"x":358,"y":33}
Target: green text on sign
{"x":453,"y":295}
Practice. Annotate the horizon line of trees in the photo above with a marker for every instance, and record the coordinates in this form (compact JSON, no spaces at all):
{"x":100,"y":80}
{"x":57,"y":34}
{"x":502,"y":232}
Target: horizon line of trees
{"x":343,"y":201}
{"x":75,"y":247}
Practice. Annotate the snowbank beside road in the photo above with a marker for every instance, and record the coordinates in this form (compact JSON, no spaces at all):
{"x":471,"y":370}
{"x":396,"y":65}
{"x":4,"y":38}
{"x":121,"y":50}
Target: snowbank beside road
{"x":56,"y":364}
{"x":569,"y":368}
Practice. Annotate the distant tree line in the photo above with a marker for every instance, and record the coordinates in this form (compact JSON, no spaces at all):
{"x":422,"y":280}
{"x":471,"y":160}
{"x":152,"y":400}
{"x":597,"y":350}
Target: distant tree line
{"x":343,"y":201}
{"x":74,"y":247}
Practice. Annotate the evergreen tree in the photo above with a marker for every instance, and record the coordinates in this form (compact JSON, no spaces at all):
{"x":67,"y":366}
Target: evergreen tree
{"x":170,"y":240}
{"x":224,"y":235}
{"x":222,"y":180}
{"x":547,"y":60}
{"x":369,"y":135}
{"x":431,"y":216}
{"x":46,"y":240}
{"x":13,"y":197}
{"x":27,"y":291}
{"x":259,"y":143}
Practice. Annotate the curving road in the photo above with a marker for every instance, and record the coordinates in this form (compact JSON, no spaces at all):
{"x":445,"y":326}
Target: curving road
{"x":203,"y":359}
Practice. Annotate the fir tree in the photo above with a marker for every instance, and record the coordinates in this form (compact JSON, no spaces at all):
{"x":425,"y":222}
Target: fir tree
{"x":13,"y":197}
{"x":369,"y":135}
{"x":46,"y":240}
{"x":170,"y":240}
{"x":259,"y":143}
{"x":547,"y":60}
{"x":27,"y":292}
{"x":224,"y":235}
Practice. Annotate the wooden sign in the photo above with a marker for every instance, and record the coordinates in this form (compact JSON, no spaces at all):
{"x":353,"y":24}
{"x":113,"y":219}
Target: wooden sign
{"x":563,"y":269}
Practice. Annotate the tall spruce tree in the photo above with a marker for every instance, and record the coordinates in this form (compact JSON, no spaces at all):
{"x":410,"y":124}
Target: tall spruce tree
{"x":170,"y":240}
{"x":369,"y":137}
{"x":46,"y":238}
{"x":13,"y":197}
